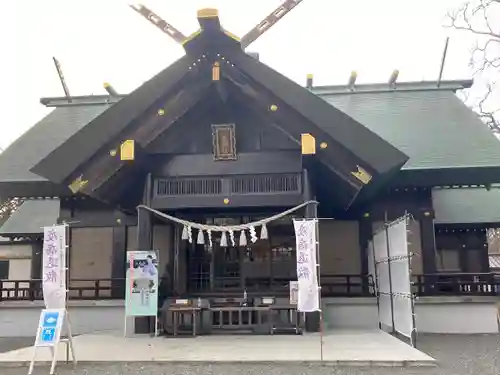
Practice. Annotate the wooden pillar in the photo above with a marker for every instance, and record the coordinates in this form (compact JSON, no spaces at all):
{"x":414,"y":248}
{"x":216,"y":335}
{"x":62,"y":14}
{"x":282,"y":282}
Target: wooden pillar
{"x":145,"y":218}
{"x":311,"y":211}
{"x":180,"y":262}
{"x":118,"y":269}
{"x":428,"y":241}
{"x":484,"y":260}
{"x":364,"y":236}
{"x":145,"y":242}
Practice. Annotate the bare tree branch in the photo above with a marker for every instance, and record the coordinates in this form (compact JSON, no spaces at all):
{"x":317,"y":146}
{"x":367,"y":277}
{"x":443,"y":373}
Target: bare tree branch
{"x":482,"y":18}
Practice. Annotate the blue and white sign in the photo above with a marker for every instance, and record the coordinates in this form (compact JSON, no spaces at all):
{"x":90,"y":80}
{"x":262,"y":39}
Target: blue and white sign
{"x":49,"y":327}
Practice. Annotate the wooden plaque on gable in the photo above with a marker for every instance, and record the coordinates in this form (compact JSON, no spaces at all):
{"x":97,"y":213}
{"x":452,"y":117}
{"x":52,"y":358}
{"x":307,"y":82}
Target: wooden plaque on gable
{"x":224,"y":140}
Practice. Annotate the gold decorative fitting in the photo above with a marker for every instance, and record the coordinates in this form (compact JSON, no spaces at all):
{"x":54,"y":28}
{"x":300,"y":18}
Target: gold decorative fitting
{"x":216,"y":71}
{"x":308,"y":143}
{"x":362,"y":175}
{"x":127,"y":150}
{"x":208,"y":13}
{"x":191,"y":37}
{"x":161,"y":112}
{"x":231,"y":35}
{"x":323,"y":145}
{"x":226,"y":201}
{"x":273,"y":107}
{"x":78,"y":184}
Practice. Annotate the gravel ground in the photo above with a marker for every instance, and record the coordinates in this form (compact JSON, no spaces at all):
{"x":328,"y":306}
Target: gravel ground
{"x":457,"y":355}
{"x":13,"y":343}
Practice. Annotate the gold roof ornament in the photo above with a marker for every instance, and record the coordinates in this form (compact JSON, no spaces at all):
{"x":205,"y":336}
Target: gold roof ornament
{"x":208,"y":13}
{"x":216,"y":71}
{"x":78,"y":184}
{"x":362,"y":175}
{"x":308,"y":143}
{"x":127,"y":150}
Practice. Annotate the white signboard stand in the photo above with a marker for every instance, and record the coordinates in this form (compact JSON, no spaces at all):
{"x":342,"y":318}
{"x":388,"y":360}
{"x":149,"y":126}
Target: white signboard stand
{"x":141,"y":293}
{"x":54,"y":318}
{"x":50,"y":327}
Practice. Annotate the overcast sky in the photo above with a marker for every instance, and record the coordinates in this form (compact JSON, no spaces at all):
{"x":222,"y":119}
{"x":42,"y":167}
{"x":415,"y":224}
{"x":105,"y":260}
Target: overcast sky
{"x":105,"y":40}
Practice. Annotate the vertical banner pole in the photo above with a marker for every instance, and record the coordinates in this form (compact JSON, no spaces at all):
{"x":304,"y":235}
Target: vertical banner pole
{"x":308,"y":270}
{"x":67,"y":260}
{"x":413,"y":337}
{"x":391,"y":292}
{"x":376,"y":281}
{"x":318,"y":276}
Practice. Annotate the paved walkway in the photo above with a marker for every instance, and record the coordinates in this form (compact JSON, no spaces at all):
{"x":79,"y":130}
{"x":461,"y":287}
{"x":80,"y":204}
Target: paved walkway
{"x":361,"y":348}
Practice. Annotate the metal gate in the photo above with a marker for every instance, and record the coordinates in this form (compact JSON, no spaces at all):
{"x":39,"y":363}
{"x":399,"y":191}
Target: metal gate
{"x":390,"y":264}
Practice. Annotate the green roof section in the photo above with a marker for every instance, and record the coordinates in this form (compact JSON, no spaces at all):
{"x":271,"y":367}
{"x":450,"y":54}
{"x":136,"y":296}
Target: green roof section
{"x":466,"y":205}
{"x":31,"y":217}
{"x":432,"y":126}
{"x":42,"y":138}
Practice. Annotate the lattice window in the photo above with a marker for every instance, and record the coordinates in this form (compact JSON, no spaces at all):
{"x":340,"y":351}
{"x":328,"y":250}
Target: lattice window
{"x":266,"y":184}
{"x":192,"y":186}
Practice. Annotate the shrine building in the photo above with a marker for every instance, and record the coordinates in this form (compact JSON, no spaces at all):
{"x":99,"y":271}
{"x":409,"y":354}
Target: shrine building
{"x":220,"y":138}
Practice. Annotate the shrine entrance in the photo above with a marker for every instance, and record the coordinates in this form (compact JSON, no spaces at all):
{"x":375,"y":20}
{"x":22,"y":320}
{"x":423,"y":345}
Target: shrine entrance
{"x":267,"y":265}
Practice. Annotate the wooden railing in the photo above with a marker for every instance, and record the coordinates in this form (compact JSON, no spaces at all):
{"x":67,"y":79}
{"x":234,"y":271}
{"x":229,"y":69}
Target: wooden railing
{"x":454,"y":284}
{"x":79,"y":289}
{"x":457,"y":284}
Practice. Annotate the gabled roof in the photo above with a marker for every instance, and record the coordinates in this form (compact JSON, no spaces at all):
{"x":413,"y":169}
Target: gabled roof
{"x":350,"y":146}
{"x":43,"y":138}
{"x":31,"y":217}
{"x":343,"y":128}
{"x":78,"y":148}
{"x":432,"y":126}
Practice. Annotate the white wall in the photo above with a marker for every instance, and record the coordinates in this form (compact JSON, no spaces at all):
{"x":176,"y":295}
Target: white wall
{"x":475,"y":316}
{"x":433,"y":315}
{"x":20,"y":319}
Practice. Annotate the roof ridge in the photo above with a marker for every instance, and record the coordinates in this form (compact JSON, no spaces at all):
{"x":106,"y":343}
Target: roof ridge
{"x":364,"y":88}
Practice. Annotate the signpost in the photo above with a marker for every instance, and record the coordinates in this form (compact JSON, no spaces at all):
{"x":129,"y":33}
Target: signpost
{"x":48,"y":335}
{"x":141,"y":295}
{"x":54,"y":318}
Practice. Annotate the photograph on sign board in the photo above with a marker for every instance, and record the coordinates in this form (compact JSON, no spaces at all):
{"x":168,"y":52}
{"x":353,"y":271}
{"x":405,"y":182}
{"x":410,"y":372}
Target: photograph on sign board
{"x":142,"y":283}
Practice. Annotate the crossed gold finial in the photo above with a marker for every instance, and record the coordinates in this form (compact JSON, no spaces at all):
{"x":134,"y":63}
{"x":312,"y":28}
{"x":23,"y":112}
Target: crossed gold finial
{"x":270,"y":20}
{"x":78,"y":184}
{"x":362,"y":175}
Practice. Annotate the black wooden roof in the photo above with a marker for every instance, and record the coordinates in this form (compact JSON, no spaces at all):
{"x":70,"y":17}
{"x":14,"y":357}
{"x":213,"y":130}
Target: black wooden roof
{"x":409,"y":112}
{"x":182,"y":85}
{"x":372,"y":123}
